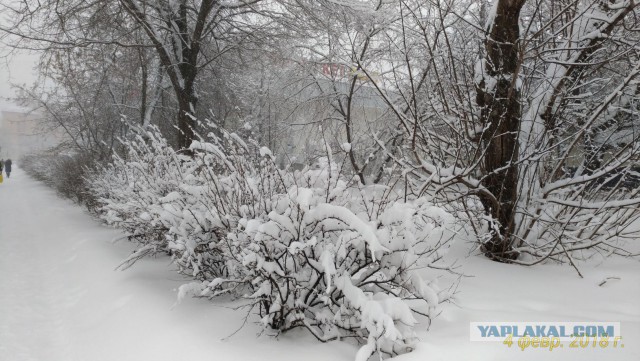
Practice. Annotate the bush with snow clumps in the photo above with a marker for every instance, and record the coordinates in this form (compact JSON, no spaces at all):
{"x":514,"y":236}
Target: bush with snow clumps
{"x":308,"y":249}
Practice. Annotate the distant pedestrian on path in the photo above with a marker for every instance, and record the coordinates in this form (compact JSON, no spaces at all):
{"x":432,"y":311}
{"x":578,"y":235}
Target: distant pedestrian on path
{"x":7,"y":167}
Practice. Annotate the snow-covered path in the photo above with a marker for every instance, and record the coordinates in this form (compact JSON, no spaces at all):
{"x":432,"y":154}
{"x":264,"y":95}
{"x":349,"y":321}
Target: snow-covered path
{"x":62,"y":300}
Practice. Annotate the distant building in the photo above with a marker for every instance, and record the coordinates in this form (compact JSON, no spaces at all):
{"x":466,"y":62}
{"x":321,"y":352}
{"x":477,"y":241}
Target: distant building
{"x":21,"y":133}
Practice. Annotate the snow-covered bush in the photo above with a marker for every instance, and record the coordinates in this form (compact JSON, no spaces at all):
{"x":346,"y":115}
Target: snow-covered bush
{"x":309,"y":249}
{"x":225,"y":181}
{"x":338,"y":274}
{"x":63,"y":171}
{"x":39,"y":166}
{"x":135,"y":193}
{"x":184,"y":204}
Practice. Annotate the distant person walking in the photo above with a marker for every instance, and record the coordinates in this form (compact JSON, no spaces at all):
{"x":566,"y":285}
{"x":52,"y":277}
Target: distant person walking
{"x":1,"y":165}
{"x":7,"y":167}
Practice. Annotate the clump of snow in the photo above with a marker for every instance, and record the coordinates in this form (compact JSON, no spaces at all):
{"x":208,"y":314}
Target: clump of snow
{"x":264,"y":151}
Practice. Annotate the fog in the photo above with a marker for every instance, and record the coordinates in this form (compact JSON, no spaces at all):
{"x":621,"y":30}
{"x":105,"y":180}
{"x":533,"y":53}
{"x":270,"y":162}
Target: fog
{"x":18,"y":132}
{"x":16,"y":68}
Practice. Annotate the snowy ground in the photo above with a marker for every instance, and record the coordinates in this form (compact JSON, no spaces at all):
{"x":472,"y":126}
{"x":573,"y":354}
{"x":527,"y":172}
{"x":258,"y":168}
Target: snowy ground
{"x":61,"y":300}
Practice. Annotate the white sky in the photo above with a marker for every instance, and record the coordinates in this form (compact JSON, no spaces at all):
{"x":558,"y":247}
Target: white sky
{"x":15,"y":68}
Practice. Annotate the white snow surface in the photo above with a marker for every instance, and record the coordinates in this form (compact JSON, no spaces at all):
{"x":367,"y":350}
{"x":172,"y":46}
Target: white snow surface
{"x":62,"y":300}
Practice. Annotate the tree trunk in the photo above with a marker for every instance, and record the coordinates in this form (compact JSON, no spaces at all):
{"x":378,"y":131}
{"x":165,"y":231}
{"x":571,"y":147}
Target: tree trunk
{"x":186,"y":118}
{"x":498,"y":96}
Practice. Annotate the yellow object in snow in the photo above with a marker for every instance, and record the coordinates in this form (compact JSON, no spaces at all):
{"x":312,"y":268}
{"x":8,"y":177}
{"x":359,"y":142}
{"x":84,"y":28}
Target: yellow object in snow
{"x":1,"y":178}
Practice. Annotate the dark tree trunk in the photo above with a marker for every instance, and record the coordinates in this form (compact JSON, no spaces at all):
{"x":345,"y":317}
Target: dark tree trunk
{"x":499,"y":99}
{"x":144,"y":80}
{"x":180,"y":57}
{"x":186,"y":119}
{"x":187,"y":99}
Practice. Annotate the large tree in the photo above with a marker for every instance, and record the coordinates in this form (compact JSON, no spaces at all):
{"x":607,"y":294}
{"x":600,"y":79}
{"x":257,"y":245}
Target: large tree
{"x":536,"y":143}
{"x":499,"y":99}
{"x":186,"y":36}
{"x":518,"y":165}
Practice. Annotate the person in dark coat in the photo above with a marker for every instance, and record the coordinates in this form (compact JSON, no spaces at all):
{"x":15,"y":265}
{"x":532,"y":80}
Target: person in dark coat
{"x":7,"y":167}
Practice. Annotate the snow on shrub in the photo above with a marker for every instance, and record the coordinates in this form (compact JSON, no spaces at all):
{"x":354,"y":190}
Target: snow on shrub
{"x":135,"y":193}
{"x":184,"y":205}
{"x":310,"y":250}
{"x":62,"y":171}
{"x":338,"y":274}
{"x":221,"y":185}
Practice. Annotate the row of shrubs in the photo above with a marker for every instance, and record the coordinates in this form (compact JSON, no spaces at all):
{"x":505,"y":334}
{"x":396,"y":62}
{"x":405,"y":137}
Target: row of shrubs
{"x":308,"y":249}
{"x":65,"y":172}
